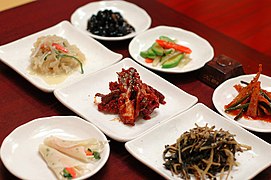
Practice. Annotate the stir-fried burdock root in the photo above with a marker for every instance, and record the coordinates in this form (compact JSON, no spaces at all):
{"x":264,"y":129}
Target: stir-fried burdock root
{"x":130,"y":97}
{"x":203,"y":152}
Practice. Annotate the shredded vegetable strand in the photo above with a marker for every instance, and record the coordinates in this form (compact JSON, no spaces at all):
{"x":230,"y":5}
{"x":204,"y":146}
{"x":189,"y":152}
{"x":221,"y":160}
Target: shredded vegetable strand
{"x":73,"y":57}
{"x":203,"y":152}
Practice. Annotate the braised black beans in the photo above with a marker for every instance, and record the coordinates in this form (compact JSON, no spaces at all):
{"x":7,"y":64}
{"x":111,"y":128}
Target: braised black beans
{"x":109,"y":24}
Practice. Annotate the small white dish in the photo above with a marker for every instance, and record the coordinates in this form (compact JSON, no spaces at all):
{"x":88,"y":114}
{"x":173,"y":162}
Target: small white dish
{"x":202,"y":51}
{"x":149,"y":147}
{"x":20,"y":149}
{"x":225,"y":93}
{"x":17,"y":54}
{"x":135,"y":16}
{"x":79,"y":97}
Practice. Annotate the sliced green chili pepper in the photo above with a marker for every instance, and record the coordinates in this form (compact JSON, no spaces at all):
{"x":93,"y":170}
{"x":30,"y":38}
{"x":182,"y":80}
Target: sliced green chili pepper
{"x":237,"y":107}
{"x":239,"y":115}
{"x":240,"y":101}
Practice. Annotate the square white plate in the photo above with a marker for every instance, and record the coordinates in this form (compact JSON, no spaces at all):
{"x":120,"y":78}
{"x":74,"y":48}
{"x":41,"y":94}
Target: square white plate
{"x":225,"y":93}
{"x":135,"y":16}
{"x":79,"y":97}
{"x":17,"y":54}
{"x":149,"y":147}
{"x":20,"y":149}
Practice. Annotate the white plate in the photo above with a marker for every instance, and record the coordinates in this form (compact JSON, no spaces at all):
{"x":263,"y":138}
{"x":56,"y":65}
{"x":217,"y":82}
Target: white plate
{"x":149,"y":147}
{"x":225,"y":93}
{"x":17,"y":54}
{"x":202,"y":51}
{"x":19,"y":150}
{"x":79,"y":97}
{"x":135,"y":15}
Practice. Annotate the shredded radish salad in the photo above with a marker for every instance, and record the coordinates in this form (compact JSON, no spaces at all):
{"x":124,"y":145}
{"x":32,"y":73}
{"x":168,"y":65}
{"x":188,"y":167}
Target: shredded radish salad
{"x":53,"y":55}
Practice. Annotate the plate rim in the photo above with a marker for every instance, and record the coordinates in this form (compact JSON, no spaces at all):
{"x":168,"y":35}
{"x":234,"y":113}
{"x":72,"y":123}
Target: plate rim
{"x":128,"y":36}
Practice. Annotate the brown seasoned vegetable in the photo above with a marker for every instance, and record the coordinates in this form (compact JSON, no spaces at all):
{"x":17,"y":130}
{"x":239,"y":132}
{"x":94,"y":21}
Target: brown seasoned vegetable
{"x":203,"y":152}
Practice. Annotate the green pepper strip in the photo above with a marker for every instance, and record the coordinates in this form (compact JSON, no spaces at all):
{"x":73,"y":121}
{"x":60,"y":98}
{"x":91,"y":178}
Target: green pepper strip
{"x":66,"y":55}
{"x":244,"y":82}
{"x":80,"y":63}
{"x":237,"y":107}
{"x":239,"y":115}
{"x":239,"y":101}
{"x":265,"y":95}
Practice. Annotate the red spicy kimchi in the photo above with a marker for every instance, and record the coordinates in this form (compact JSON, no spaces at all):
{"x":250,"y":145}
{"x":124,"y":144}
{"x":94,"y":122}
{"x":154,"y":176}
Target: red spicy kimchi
{"x":252,"y":102}
{"x":130,"y":97}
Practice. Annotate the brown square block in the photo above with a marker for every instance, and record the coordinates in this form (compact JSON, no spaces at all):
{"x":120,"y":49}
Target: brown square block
{"x":220,"y":69}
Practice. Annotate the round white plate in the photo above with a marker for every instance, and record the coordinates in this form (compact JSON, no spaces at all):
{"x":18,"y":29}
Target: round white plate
{"x":225,"y":93}
{"x":19,"y":150}
{"x":135,"y":15}
{"x":202,"y":51}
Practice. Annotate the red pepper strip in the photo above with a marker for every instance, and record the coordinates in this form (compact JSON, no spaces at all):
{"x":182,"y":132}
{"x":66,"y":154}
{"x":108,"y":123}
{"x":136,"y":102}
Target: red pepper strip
{"x":168,"y":45}
{"x":147,"y":60}
{"x":238,"y":87}
{"x":89,"y":153}
{"x":253,"y":105}
{"x":60,"y":48}
{"x":71,"y":171}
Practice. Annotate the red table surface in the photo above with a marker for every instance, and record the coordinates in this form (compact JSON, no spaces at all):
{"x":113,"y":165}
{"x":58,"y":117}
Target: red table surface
{"x":21,"y":102}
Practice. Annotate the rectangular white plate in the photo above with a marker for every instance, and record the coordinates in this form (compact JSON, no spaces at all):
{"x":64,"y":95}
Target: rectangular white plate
{"x":17,"y":54}
{"x":79,"y":97}
{"x":149,"y":147}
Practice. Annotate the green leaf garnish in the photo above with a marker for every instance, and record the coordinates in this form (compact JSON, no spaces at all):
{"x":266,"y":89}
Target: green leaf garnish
{"x":96,"y":155}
